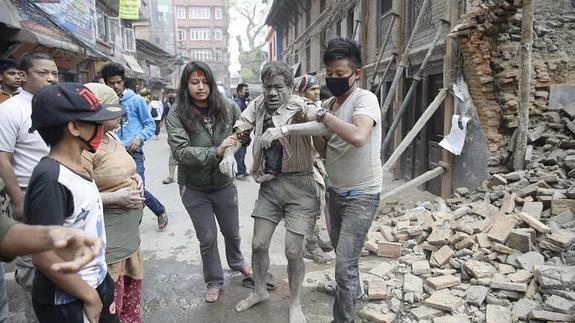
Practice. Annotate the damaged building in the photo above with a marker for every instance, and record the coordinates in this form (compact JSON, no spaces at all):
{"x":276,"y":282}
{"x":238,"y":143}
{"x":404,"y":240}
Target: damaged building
{"x":499,"y":244}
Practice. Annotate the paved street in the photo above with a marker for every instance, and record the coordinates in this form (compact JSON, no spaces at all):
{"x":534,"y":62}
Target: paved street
{"x":173,"y":288}
{"x":173,"y":284}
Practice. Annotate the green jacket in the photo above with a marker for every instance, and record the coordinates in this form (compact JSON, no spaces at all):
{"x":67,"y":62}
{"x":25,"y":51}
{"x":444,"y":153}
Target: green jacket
{"x":195,"y":150}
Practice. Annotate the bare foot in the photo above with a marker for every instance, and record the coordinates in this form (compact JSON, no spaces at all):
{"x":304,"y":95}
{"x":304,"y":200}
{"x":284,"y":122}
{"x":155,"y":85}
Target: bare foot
{"x":250,"y":301}
{"x":296,"y":315}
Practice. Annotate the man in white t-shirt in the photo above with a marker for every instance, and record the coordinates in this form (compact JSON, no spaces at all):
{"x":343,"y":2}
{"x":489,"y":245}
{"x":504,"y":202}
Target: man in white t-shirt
{"x":351,"y":123}
{"x":20,"y":150}
{"x":158,"y":107}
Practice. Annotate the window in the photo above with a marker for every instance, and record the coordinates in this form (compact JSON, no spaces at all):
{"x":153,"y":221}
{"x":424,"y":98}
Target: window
{"x":350,"y":24}
{"x":181,"y":34}
{"x":217,"y":33}
{"x":181,"y":12}
{"x":384,"y":20}
{"x":102,"y":27}
{"x":219,"y":13}
{"x":218,"y":55}
{"x":183,"y":53}
{"x":307,"y":58}
{"x":199,"y":12}
{"x":321,"y":5}
{"x":200,"y":34}
{"x":202,"y":55}
{"x":338,"y":28}
{"x":129,"y":41}
{"x":296,"y":23}
{"x":307,"y":13}
{"x":385,"y":6}
{"x":115,"y":34}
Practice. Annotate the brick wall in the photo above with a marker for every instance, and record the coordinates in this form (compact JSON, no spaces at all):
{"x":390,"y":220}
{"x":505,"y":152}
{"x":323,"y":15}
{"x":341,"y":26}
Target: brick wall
{"x":489,"y":35}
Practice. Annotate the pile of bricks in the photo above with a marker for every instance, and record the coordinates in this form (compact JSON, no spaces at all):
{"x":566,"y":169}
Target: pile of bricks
{"x":502,"y":253}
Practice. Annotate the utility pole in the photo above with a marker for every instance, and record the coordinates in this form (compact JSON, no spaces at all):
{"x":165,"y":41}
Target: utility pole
{"x":363,"y":37}
{"x":449,"y":65}
{"x":524,"y":84}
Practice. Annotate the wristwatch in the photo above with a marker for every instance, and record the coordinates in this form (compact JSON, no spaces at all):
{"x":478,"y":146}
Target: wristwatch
{"x":320,"y":114}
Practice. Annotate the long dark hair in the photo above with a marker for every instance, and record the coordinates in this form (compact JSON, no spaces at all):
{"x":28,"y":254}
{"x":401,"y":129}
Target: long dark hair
{"x":216,"y":103}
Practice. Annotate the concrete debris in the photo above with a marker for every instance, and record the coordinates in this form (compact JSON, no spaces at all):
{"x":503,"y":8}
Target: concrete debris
{"x":502,"y":253}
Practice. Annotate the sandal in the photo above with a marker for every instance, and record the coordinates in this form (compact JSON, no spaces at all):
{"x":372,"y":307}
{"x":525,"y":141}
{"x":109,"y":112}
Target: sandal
{"x":168,"y":180}
{"x":162,"y":222}
{"x":212,"y":295}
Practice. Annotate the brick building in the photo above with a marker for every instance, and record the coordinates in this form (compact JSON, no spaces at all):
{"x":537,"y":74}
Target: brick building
{"x":486,"y":57}
{"x":201,"y":33}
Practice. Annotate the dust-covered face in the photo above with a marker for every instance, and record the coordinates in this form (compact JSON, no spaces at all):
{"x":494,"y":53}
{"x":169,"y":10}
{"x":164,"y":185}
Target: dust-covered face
{"x":276,"y":92}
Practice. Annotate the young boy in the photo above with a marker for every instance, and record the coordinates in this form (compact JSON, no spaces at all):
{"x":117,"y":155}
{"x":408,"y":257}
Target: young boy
{"x":61,"y":192}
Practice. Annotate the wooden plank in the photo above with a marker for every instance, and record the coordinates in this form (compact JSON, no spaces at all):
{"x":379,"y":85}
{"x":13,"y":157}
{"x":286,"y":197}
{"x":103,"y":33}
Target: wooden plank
{"x":525,"y":51}
{"x":403,"y":63}
{"x":427,"y":114}
{"x":421,"y":179}
{"x":449,"y":64}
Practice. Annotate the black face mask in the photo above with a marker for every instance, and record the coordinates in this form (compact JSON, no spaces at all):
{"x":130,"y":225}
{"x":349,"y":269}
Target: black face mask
{"x":338,"y":85}
{"x":246,"y":94}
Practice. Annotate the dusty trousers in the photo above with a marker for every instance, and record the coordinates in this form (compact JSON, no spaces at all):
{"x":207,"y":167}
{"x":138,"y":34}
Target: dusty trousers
{"x":205,"y":208}
{"x":351,"y":216}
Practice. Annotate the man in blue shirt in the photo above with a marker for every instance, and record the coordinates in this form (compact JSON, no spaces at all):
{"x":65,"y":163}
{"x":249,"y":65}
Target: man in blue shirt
{"x":242,"y":100}
{"x":138,"y":128}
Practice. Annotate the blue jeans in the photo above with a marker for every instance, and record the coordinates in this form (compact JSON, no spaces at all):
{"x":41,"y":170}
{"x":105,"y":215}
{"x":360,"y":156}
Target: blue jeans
{"x":151,"y":201}
{"x":240,"y":155}
{"x":350,"y":216}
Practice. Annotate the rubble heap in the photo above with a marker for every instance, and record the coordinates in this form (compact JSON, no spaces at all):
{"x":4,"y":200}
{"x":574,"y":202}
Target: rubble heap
{"x":503,"y":253}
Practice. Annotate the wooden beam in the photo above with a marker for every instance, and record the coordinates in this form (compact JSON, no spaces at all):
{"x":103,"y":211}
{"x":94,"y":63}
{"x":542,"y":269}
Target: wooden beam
{"x":416,"y":79}
{"x":414,"y":183}
{"x":363,"y":35}
{"x":404,"y":57}
{"x":524,"y":84}
{"x":381,"y":51}
{"x":425,"y":116}
{"x":449,"y":72}
{"x":400,"y":6}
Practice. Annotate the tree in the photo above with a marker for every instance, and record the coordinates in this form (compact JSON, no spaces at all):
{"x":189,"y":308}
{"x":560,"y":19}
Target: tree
{"x":252,"y":13}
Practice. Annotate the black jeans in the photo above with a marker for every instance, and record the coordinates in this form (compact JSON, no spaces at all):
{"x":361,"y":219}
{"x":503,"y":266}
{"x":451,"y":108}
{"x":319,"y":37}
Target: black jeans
{"x":74,"y":312}
{"x":240,"y":156}
{"x":204,"y":209}
{"x":350,"y":219}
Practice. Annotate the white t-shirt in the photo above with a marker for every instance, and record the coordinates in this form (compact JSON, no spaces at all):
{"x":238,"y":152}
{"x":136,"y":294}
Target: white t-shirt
{"x":27,"y":148}
{"x":356,"y":168}
{"x":159,"y":108}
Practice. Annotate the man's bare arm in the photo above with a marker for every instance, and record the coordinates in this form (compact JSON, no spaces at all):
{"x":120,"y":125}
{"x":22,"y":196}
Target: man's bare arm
{"x":356,"y":133}
{"x":11,"y":182}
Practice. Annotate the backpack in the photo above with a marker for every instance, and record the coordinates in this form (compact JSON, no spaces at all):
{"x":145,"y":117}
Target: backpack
{"x":154,"y":112}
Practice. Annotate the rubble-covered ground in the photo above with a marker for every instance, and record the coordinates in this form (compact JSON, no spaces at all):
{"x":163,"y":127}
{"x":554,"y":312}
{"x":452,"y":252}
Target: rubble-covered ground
{"x":503,"y":253}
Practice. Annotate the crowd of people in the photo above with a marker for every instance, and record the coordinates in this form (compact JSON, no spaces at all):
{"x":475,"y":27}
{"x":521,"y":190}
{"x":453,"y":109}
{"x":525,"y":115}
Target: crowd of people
{"x":73,"y":177}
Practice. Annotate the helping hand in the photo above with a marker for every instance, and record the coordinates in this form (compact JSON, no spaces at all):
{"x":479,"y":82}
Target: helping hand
{"x":229,"y":166}
{"x":269,"y":136}
{"x":139,"y":181}
{"x":134,"y":144}
{"x":74,"y":246}
{"x":128,"y":198}
{"x":228,"y":142}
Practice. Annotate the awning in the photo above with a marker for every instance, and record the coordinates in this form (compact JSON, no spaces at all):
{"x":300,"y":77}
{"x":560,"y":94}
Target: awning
{"x":30,"y":36}
{"x":9,"y":15}
{"x":133,"y":63}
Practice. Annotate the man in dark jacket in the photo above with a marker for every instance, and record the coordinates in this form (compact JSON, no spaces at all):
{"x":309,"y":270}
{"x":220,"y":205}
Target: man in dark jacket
{"x":138,"y":128}
{"x":242,"y":100}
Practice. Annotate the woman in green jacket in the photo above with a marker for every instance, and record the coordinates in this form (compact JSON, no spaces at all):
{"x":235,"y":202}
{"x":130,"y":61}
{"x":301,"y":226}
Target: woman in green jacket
{"x":200,"y":128}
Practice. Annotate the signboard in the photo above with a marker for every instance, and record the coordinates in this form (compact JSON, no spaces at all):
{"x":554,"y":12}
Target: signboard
{"x":129,"y":9}
{"x":76,"y":16}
